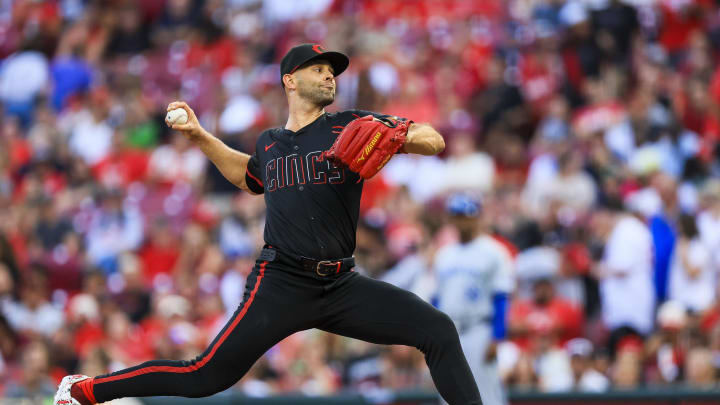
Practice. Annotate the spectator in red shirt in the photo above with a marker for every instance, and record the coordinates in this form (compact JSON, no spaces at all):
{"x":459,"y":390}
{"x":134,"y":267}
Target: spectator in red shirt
{"x":122,"y":166}
{"x":160,"y":253}
{"x":83,"y":316}
{"x":551,"y":318}
{"x":125,"y":342}
{"x":680,"y":20}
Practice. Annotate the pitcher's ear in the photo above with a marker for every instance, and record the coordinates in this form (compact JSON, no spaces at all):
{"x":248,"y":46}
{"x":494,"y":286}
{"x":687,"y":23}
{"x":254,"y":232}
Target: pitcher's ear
{"x":289,"y":81}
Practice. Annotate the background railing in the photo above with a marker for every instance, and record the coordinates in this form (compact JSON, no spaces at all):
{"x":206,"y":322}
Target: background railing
{"x":648,"y":396}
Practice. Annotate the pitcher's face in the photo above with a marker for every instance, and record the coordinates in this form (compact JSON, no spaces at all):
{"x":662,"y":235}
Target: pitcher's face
{"x":316,"y":83}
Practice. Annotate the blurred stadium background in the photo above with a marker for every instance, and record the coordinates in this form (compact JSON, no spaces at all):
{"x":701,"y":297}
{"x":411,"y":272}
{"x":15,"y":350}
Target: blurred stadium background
{"x":120,"y":243}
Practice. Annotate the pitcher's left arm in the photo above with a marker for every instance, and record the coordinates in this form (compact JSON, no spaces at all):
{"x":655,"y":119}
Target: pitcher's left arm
{"x":422,"y":139}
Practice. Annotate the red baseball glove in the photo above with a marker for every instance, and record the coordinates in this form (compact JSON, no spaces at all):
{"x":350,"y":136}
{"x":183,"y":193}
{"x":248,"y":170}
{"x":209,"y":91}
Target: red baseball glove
{"x":366,"y":144}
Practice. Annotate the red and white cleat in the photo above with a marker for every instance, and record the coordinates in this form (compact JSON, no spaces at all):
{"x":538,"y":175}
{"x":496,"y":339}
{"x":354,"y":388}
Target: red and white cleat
{"x":63,"y":397}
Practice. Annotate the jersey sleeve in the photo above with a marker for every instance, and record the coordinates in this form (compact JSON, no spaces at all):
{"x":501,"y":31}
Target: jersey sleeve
{"x":503,"y":286}
{"x":253,"y":176}
{"x":500,"y":310}
{"x":504,"y":277}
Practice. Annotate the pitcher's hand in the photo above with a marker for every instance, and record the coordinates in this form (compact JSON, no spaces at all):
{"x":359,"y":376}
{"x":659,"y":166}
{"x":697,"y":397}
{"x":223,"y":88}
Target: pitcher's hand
{"x":191,"y":128}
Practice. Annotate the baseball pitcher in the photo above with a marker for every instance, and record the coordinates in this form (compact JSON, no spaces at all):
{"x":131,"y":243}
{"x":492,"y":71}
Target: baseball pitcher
{"x":311,"y":174}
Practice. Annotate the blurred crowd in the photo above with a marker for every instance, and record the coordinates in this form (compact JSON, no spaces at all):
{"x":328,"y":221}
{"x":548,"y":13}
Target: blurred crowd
{"x":588,"y":128}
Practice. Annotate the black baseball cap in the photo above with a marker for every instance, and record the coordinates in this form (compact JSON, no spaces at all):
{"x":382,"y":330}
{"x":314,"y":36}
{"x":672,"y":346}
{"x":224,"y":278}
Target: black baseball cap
{"x":302,"y":54}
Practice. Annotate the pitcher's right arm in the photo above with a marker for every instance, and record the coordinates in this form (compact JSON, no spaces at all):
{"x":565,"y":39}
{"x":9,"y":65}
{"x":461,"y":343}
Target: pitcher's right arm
{"x":231,"y":163}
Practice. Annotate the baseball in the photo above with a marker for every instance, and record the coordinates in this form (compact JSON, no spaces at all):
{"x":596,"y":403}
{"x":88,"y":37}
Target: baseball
{"x":177,"y":116}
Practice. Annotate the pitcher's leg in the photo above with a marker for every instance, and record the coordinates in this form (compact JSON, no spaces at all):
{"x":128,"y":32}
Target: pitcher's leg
{"x":378,"y":312}
{"x":255,"y":327}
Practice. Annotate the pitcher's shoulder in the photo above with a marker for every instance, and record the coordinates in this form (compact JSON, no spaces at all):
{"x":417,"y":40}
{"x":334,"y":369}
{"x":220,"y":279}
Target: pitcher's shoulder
{"x":269,"y":134}
{"x":349,"y":115}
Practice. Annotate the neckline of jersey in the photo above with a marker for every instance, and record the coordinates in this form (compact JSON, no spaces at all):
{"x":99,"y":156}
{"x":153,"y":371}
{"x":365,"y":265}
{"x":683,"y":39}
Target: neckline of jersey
{"x":306,"y":125}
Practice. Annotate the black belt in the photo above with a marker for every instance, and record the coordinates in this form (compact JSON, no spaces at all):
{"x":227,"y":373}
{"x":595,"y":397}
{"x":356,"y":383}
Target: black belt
{"x":327,"y":267}
{"x":322,"y":268}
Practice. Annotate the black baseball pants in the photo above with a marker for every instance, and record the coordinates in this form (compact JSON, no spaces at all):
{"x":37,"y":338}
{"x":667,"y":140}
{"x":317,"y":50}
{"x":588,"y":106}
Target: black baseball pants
{"x":280,"y":300}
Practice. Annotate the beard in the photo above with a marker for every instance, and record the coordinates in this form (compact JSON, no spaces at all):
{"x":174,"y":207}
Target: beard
{"x":466,"y":235}
{"x":316,"y":94}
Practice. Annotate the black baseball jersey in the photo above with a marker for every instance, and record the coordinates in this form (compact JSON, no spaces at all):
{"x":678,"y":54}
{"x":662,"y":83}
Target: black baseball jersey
{"x":312,"y":206}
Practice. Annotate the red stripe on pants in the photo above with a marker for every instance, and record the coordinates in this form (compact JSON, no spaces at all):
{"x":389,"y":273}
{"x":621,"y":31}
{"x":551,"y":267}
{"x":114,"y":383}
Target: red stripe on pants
{"x":187,"y":369}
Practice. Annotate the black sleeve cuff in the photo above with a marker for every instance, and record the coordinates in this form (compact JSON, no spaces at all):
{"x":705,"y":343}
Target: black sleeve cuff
{"x":253,"y":183}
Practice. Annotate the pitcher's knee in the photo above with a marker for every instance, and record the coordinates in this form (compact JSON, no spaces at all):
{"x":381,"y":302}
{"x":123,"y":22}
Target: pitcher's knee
{"x":210,"y":378}
{"x":441,"y":330}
